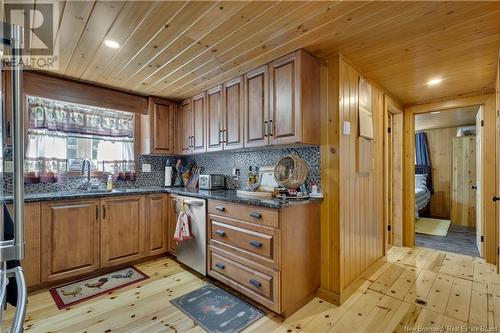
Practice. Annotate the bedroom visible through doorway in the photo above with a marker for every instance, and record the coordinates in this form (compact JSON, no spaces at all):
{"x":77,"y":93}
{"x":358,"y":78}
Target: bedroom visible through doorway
{"x":448,"y":155}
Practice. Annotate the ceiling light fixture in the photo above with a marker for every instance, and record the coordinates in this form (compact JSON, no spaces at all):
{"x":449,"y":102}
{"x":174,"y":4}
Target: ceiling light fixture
{"x":111,"y":43}
{"x":435,"y":112}
{"x":435,"y":81}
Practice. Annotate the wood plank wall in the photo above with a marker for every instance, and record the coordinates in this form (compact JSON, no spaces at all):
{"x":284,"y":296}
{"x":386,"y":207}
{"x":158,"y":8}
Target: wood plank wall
{"x":440,"y":151}
{"x":352,"y":233}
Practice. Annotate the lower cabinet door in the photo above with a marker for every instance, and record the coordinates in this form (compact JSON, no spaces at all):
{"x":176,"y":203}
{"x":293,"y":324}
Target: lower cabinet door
{"x":172,"y":221}
{"x":157,"y":224}
{"x":70,"y":239}
{"x":31,"y":262}
{"x":122,"y":230}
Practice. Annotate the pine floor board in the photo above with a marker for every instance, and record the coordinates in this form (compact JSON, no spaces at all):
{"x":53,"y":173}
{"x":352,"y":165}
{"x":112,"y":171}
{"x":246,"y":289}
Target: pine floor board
{"x":415,"y":288}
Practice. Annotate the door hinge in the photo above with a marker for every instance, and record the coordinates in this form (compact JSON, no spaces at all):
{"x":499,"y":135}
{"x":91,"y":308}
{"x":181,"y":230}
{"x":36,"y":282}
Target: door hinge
{"x":482,"y":239}
{"x":388,"y":227}
{"x":482,"y":123}
{"x":388,"y":130}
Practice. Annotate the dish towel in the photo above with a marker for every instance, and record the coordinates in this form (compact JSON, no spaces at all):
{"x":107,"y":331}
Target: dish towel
{"x":182,"y":229}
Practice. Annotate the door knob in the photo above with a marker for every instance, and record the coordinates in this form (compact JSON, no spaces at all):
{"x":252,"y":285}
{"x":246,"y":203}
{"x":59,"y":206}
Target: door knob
{"x":495,"y":198}
{"x":474,"y":187}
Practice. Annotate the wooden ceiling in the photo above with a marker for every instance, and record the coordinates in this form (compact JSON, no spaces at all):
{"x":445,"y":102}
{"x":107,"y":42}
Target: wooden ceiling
{"x":177,"y":49}
{"x":448,"y":118}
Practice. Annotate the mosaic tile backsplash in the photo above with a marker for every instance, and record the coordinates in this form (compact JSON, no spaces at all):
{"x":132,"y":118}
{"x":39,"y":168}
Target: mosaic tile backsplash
{"x":225,"y":162}
{"x":216,"y":162}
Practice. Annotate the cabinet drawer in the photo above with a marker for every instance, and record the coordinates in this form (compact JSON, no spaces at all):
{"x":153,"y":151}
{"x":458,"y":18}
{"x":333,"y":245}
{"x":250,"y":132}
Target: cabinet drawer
{"x":251,"y":241}
{"x":247,"y":277}
{"x":247,"y":213}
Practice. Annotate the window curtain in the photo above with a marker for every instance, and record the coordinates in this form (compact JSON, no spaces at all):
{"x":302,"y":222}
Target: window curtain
{"x":422,"y":158}
{"x":61,"y":135}
{"x":72,"y":118}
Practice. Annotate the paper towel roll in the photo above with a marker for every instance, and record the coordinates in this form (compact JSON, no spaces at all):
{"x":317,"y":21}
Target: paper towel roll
{"x":168,"y":176}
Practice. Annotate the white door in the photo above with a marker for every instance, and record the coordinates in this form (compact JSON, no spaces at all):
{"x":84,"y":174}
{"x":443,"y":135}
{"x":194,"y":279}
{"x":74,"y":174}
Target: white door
{"x":479,"y":205}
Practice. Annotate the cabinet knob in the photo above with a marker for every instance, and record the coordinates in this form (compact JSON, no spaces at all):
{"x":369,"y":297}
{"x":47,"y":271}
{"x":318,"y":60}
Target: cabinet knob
{"x":220,"y":208}
{"x":220,"y":233}
{"x":255,"y":283}
{"x":266,"y":128}
{"x":220,"y":266}
{"x":256,"y":244}
{"x":255,"y":215}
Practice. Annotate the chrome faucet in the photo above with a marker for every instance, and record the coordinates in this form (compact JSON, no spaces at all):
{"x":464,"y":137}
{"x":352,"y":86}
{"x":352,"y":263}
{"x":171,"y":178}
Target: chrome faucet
{"x":86,"y":162}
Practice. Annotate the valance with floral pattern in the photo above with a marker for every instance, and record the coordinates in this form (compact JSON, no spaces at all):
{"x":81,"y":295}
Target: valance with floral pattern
{"x":67,"y":117}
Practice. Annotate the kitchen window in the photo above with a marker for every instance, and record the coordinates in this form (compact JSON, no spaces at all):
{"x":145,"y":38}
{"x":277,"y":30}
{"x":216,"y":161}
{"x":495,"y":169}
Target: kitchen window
{"x":61,"y":135}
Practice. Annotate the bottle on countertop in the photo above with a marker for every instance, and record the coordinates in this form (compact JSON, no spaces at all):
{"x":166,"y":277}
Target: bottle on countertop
{"x":109,"y":183}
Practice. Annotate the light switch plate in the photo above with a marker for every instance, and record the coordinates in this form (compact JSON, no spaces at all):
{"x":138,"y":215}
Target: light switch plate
{"x":8,"y":166}
{"x":146,"y":168}
{"x":346,"y":129}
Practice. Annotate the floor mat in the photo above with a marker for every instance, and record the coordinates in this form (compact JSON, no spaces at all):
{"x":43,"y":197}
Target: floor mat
{"x":80,"y":291}
{"x":216,"y":310}
{"x":434,"y":227}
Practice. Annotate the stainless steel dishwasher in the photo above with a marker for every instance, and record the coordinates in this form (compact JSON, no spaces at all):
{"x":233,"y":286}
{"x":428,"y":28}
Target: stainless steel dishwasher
{"x":193,"y":252}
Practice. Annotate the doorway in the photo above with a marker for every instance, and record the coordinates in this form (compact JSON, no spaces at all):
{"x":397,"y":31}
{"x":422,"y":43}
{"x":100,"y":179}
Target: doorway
{"x":448,"y":159}
{"x":393,"y":174}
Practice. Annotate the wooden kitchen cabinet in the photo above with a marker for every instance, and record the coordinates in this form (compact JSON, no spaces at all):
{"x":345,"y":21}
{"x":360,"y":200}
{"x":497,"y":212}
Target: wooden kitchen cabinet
{"x":269,"y":255}
{"x":172,"y":221}
{"x":256,"y":107}
{"x":157,"y":224}
{"x":158,"y":127}
{"x":122,"y":230}
{"x":31,"y":261}
{"x":69,"y":239}
{"x":294,"y":101}
{"x":199,"y":123}
{"x":214,"y":119}
{"x":185,"y":127}
{"x":232,"y":114}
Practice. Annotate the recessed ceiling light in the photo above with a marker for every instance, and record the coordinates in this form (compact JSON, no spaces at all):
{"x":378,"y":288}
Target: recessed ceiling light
{"x":435,"y":112}
{"x":111,"y":43}
{"x":435,"y":81}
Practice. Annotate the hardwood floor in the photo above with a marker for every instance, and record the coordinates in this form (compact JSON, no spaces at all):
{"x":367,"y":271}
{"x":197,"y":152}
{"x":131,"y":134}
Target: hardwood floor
{"x":415,"y":288}
{"x":460,"y":239}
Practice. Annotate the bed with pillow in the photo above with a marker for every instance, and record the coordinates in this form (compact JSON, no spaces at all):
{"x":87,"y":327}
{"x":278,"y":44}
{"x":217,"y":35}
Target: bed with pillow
{"x":422,"y":192}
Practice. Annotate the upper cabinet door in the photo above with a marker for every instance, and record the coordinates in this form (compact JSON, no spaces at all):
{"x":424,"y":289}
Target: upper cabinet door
{"x":214,"y":119}
{"x":186,"y":127}
{"x":162,"y":115}
{"x":232,"y":96}
{"x":256,"y":108}
{"x":199,"y":121}
{"x":284,"y":100}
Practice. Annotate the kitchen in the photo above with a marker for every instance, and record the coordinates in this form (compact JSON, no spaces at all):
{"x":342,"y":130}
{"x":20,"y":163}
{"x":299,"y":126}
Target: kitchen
{"x":223,"y":166}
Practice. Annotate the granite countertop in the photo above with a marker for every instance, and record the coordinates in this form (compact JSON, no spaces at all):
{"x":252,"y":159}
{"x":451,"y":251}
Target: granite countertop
{"x":223,"y":195}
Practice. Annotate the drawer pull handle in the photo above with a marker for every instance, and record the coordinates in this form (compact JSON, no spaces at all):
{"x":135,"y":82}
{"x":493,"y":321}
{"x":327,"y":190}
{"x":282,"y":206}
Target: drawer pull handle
{"x":255,"y":283}
{"x":220,"y":208}
{"x":255,"y":215}
{"x":220,"y":232}
{"x":220,"y":266}
{"x":256,"y":244}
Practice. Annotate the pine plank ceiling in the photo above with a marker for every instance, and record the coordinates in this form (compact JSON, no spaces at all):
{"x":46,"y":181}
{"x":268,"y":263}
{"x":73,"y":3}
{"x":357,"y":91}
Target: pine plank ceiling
{"x":177,"y":49}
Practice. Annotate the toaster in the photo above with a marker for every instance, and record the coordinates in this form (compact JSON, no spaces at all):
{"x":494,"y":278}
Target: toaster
{"x":212,"y":182}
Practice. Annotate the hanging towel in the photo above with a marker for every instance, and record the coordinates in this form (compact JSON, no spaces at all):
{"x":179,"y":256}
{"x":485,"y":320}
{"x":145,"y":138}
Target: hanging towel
{"x":182,"y":228}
